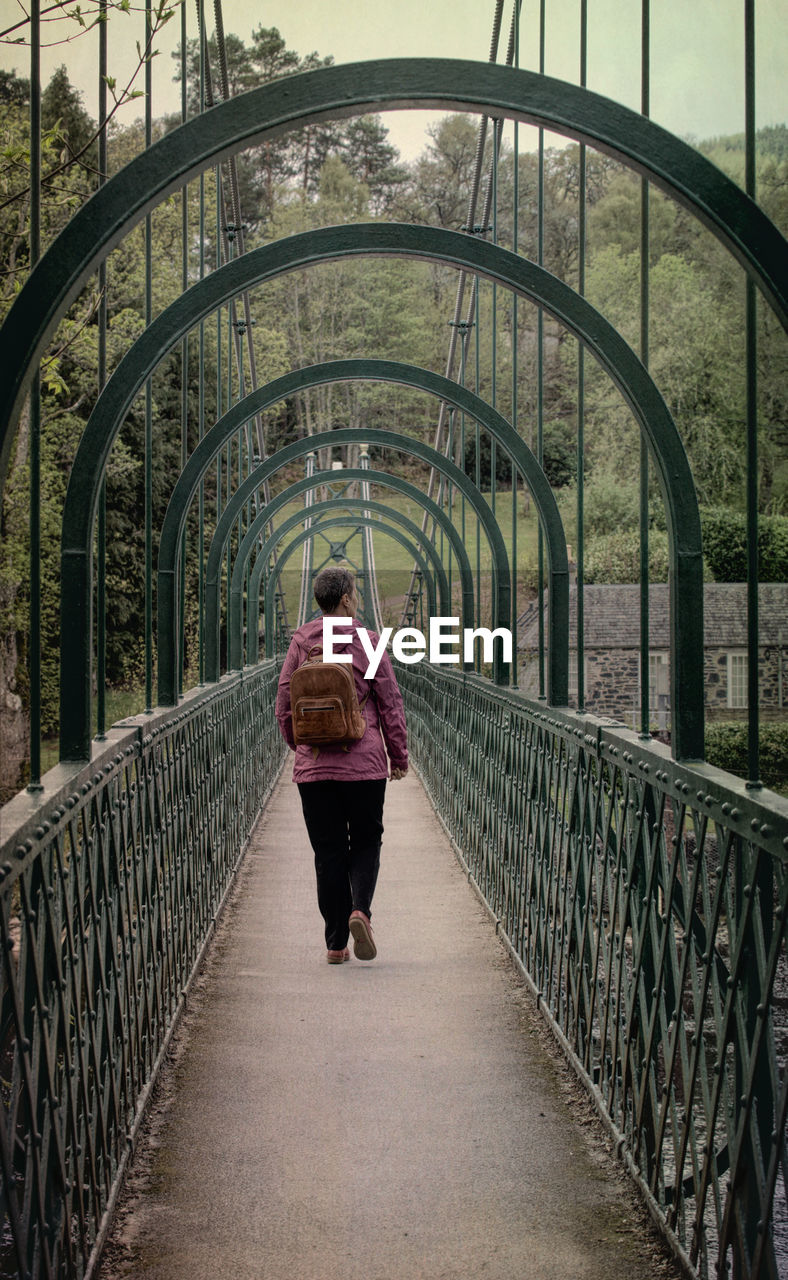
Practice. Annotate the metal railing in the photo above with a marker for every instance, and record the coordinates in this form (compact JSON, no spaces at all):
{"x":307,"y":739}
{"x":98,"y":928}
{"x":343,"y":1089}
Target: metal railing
{"x":111,"y":880}
{"x":645,"y":902}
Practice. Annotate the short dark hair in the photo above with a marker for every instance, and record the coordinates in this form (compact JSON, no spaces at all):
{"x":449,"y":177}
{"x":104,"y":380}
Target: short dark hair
{"x":331,"y":585}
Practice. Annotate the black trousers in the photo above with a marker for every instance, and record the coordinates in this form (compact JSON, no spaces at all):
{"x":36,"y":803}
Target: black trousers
{"x":344,"y":821}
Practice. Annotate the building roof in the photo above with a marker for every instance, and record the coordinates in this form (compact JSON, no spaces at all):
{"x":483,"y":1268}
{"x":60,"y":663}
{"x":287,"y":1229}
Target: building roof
{"x":612,"y":616}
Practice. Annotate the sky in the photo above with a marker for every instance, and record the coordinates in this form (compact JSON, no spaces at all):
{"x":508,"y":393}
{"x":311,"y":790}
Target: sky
{"x":697,"y":81}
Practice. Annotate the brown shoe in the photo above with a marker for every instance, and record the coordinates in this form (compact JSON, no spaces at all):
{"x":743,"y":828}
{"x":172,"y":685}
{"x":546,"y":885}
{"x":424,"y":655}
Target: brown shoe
{"x":337,"y":957}
{"x":363,"y":943}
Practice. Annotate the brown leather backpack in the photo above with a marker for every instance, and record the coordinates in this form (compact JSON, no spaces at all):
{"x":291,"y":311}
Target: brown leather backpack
{"x":324,"y":703}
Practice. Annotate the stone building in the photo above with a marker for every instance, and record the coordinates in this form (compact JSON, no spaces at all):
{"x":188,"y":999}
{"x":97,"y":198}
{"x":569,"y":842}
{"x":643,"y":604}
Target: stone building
{"x":612,"y":651}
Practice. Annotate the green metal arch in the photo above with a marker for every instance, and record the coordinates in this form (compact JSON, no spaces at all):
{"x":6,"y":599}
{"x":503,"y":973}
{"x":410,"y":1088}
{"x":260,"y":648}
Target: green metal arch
{"x":257,"y":526}
{"x":331,"y":509}
{"x":651,"y":412}
{"x":173,"y":520}
{"x":261,"y":565}
{"x":298,"y":252}
{"x":94,"y":447}
{"x":335,"y":92}
{"x":411,"y":547}
{"x":466,"y":252}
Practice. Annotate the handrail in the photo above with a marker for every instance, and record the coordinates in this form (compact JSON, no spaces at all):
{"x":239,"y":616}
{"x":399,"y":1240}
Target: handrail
{"x":112,"y":878}
{"x":646,"y":904}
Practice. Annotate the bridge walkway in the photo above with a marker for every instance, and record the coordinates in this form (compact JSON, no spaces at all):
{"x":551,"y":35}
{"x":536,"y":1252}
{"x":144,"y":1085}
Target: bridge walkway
{"x":402,"y":1118}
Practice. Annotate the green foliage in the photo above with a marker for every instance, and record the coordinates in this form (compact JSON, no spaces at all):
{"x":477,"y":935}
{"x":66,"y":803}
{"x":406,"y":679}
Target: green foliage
{"x":695,"y":359}
{"x":615,"y":219}
{"x":725,"y":545}
{"x":559,"y":452}
{"x":295,"y":161}
{"x":58,"y":445}
{"x":615,"y":557}
{"x":503,"y":467}
{"x":63,"y":114}
{"x":610,"y":501}
{"x":372,"y":160}
{"x":559,"y":456}
{"x":343,"y":171}
{"x":726,"y":748}
{"x":13,"y":89}
{"x":438,"y":191}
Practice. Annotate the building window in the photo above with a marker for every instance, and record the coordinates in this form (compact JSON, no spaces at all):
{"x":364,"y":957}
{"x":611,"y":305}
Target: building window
{"x":658,"y":681}
{"x":737,"y":679}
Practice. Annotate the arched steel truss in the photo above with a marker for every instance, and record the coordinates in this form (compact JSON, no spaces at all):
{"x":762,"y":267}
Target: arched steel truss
{"x":495,"y":263}
{"x":261,"y":567}
{"x":335,"y":92}
{"x":176,"y":513}
{"x":94,"y":449}
{"x":332,"y":92}
{"x":316,"y":374}
{"x":253,"y":534}
{"x":747,"y":1097}
{"x":469,"y":253}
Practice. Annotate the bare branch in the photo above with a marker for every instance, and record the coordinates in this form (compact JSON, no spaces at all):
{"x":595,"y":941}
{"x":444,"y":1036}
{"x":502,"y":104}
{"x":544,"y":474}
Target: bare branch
{"x":62,"y":13}
{"x":95,"y":301}
{"x":162,"y":15}
{"x":66,"y":408}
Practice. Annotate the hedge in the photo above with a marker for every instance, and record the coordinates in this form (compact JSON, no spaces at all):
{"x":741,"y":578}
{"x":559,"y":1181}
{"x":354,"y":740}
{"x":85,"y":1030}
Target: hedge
{"x":615,"y":557}
{"x":725,"y":545}
{"x":726,"y":748}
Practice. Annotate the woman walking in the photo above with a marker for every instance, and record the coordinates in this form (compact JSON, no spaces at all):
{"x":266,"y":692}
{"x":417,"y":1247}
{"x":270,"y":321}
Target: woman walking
{"x":342,"y":788}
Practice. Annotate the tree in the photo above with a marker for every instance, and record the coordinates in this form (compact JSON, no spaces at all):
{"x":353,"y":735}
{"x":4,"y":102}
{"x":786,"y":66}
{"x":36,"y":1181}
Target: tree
{"x":615,"y":218}
{"x":694,"y":358}
{"x":13,"y":90}
{"x":63,"y":115}
{"x":82,"y":18}
{"x":271,"y":57}
{"x":240,"y":71}
{"x":443,"y":174}
{"x":371,"y":159}
{"x":68,"y":369}
{"x":297,"y":157}
{"x":560,"y":452}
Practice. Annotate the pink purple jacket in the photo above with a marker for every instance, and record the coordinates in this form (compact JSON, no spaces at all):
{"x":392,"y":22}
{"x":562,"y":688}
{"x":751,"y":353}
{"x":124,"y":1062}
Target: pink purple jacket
{"x":364,"y":760}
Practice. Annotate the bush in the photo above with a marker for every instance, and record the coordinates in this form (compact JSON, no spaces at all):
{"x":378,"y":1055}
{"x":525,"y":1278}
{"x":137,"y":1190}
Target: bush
{"x":725,"y":545}
{"x":503,"y":467}
{"x":559,"y":453}
{"x":616,"y":557}
{"x":773,"y":549}
{"x":726,"y":748}
{"x":609,"y":502}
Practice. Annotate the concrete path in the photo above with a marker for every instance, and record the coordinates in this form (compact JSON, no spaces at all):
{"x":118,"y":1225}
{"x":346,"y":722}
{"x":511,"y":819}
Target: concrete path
{"x":400,"y":1118}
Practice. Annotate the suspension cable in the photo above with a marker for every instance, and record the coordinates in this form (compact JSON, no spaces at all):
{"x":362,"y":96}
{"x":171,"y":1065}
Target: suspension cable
{"x":233,"y":232}
{"x":458,"y":326}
